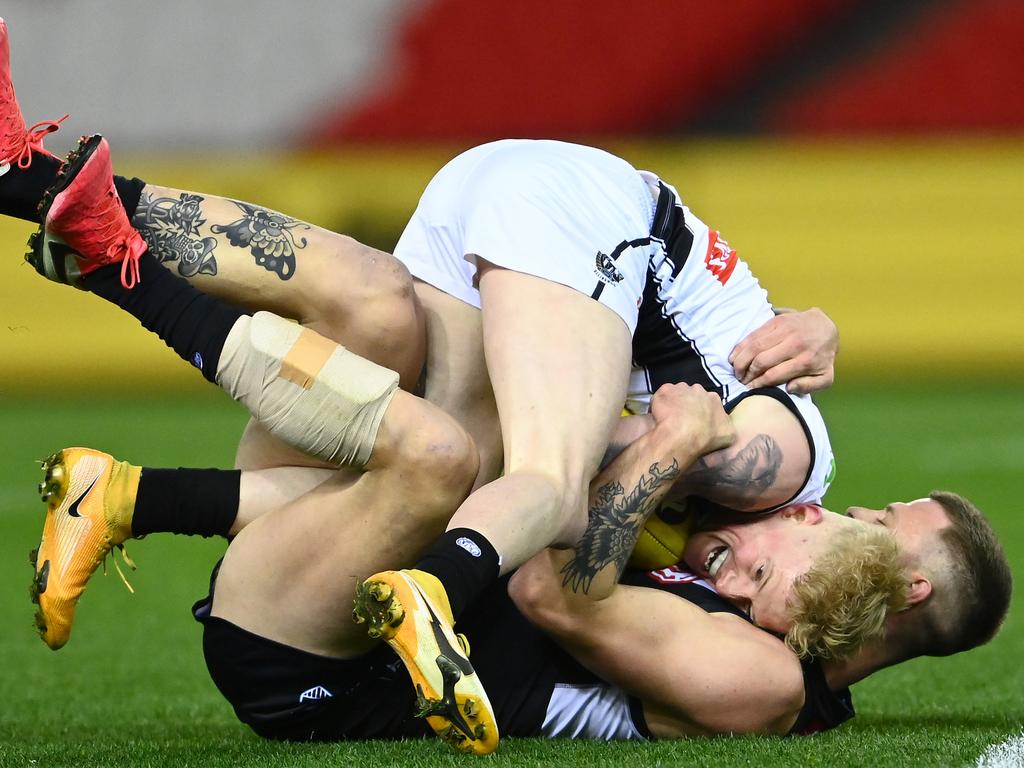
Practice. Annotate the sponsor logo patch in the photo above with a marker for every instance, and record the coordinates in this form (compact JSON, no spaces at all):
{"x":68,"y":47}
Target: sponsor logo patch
{"x":676,"y":575}
{"x":469,"y":545}
{"x":720,"y":260}
{"x":315,"y":693}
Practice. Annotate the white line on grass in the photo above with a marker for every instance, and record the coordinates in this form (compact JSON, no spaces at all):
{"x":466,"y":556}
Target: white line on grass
{"x":1006,"y":754}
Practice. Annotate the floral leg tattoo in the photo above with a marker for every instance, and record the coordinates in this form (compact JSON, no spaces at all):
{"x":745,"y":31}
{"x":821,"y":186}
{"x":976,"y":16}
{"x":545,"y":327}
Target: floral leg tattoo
{"x":615,"y":521}
{"x":171,"y":230}
{"x":268,"y":236}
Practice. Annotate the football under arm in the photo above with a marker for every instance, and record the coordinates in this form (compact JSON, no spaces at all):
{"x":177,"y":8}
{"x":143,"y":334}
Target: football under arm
{"x":696,"y":672}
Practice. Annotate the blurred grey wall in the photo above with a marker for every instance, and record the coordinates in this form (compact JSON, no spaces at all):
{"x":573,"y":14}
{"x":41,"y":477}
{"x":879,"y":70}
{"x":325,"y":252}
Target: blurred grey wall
{"x":196,"y":73}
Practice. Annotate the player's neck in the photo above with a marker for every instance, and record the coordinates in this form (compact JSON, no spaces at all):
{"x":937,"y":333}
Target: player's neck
{"x":870,"y":659}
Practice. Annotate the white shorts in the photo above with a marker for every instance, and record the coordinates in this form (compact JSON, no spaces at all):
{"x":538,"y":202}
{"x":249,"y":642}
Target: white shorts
{"x":570,"y":214}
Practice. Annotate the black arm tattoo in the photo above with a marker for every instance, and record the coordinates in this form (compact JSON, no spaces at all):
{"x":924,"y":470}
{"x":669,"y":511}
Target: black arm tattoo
{"x":268,"y":236}
{"x":171,"y":230}
{"x":743,"y":476}
{"x":615,"y":521}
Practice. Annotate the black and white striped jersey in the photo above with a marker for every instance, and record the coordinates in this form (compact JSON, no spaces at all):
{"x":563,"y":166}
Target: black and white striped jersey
{"x":700,"y":300}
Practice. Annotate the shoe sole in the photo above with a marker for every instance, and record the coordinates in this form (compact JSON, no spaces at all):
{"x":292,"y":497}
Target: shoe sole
{"x":41,"y":254}
{"x":54,"y":260}
{"x":53,"y":487}
{"x":459,"y":713}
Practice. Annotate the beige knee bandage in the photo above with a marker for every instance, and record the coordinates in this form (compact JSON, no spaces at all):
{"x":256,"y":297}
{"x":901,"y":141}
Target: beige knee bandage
{"x":305,"y":389}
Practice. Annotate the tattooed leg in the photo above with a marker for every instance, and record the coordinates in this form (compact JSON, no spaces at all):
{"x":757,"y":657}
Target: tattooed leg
{"x":171,"y":229}
{"x":261,"y":259}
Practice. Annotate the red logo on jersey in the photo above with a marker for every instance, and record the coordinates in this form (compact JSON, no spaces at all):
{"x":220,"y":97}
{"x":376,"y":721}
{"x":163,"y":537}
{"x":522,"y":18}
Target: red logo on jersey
{"x":720,"y":260}
{"x":673,"y":575}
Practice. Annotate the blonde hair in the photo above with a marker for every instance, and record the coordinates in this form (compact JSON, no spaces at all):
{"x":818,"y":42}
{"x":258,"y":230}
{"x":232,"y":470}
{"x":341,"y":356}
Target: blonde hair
{"x":842,"y":602}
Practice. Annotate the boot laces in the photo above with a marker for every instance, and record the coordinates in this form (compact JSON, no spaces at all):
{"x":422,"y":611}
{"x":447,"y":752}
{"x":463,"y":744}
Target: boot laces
{"x":127,"y":561}
{"x":22,"y":141}
{"x":111,"y":236}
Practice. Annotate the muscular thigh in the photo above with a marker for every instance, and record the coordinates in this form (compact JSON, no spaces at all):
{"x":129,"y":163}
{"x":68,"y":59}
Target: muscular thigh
{"x":559,"y":365}
{"x":290,"y":575}
{"x":456,"y":374}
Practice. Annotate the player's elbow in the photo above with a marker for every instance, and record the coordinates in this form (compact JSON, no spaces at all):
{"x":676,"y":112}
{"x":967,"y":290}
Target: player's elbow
{"x":536,"y":591}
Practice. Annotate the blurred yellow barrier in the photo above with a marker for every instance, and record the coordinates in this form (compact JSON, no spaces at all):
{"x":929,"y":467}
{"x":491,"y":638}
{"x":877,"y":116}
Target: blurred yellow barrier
{"x":915,"y":248}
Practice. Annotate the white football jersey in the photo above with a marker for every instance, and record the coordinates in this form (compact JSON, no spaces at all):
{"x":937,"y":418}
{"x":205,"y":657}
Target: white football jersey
{"x":700,"y":300}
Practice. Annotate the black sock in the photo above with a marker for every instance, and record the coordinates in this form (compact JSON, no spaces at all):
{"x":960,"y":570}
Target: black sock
{"x":21,"y":189}
{"x":193,"y":324}
{"x":130,"y":192}
{"x":465,"y":563}
{"x":191,"y":502}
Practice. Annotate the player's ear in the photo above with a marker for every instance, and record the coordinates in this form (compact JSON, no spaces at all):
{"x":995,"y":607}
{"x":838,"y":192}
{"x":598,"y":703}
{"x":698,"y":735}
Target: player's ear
{"x":920,"y":589}
{"x":809,"y":514}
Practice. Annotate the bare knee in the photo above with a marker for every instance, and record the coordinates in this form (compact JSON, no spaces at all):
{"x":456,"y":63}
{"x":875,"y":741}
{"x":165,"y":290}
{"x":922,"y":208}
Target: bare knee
{"x":438,"y":461}
{"x":368,"y":304}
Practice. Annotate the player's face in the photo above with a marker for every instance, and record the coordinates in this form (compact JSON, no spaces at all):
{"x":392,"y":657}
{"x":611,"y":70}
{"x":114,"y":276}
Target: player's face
{"x":913,"y":523}
{"x":753,"y":565}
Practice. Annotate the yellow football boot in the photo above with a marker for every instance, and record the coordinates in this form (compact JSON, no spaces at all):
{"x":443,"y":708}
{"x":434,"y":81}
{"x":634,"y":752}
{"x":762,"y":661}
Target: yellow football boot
{"x":410,"y":611}
{"x":90,"y":498}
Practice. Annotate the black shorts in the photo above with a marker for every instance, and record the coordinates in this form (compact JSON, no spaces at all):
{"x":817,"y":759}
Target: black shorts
{"x":284,"y":693}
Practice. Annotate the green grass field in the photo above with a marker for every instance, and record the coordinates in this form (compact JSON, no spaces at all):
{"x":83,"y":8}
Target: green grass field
{"x":131,"y":687}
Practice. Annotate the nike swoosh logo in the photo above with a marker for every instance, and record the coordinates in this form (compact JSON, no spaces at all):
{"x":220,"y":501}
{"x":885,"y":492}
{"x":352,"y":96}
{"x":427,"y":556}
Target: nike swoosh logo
{"x":59,"y":252}
{"x":73,"y":509}
{"x":446,"y":648}
{"x":60,"y":249}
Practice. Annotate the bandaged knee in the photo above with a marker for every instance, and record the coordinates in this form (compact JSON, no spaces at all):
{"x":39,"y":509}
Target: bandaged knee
{"x":306,"y":390}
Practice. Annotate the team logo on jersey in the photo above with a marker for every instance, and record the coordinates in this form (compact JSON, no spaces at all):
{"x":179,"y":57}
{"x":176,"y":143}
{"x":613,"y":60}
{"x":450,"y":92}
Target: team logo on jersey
{"x":606,"y":270}
{"x":720,"y":260}
{"x":676,"y":575}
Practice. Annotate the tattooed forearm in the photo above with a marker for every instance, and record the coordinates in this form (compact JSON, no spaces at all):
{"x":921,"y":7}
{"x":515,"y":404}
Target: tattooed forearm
{"x":268,"y":236}
{"x":171,"y":230}
{"x":740,"y":475}
{"x":615,"y":521}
